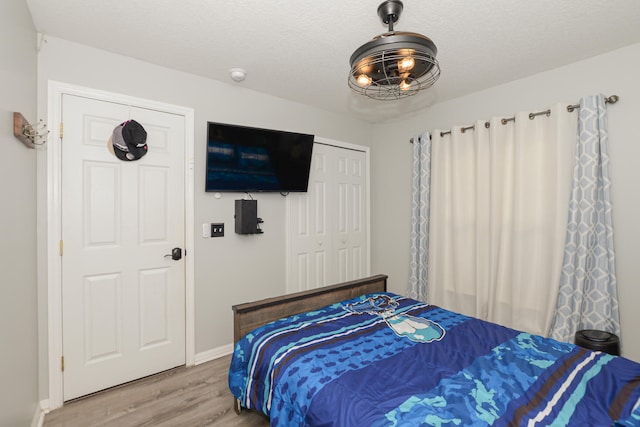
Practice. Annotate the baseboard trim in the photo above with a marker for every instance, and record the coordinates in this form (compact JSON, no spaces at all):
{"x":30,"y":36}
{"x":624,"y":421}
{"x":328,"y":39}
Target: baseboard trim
{"x":214,"y":353}
{"x":41,"y":410}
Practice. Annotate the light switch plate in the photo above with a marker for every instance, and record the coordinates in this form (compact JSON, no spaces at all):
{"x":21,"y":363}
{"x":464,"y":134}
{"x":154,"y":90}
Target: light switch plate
{"x":206,"y":230}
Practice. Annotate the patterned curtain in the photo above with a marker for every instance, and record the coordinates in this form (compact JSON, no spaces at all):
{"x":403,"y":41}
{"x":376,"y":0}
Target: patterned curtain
{"x":587,"y":296}
{"x":418,"y":266}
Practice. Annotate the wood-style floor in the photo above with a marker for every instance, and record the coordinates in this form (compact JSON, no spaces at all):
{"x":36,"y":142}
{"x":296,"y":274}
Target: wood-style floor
{"x":196,"y":396}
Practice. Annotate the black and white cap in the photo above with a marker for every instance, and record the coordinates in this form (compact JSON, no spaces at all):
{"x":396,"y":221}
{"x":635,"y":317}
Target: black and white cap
{"x":129,"y":141}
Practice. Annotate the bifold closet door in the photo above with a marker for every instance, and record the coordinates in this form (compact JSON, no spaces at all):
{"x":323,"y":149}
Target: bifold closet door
{"x":328,"y":226}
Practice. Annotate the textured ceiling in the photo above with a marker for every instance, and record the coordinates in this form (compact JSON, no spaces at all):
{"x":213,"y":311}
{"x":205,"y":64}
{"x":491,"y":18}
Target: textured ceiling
{"x":299,"y":49}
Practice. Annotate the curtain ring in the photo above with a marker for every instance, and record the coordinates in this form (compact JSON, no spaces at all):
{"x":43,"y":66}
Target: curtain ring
{"x":533,"y":115}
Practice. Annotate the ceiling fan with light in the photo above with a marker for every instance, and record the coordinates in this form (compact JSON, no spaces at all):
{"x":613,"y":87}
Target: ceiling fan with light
{"x":395,"y":64}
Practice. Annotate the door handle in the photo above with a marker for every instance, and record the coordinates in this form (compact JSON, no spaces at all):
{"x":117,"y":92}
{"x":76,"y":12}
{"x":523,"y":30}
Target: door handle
{"x":176,"y":254}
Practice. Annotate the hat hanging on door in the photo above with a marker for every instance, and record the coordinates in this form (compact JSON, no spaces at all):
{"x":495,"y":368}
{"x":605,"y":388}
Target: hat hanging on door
{"x":128,"y":141}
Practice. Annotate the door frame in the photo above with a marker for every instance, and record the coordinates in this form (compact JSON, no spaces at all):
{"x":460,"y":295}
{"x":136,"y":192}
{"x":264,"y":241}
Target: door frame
{"x":56,"y":90}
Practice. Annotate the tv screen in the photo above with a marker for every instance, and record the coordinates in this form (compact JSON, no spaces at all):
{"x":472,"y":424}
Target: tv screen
{"x":247,"y":159}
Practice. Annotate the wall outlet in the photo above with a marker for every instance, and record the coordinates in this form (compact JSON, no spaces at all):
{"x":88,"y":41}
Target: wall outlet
{"x":217,"y":229}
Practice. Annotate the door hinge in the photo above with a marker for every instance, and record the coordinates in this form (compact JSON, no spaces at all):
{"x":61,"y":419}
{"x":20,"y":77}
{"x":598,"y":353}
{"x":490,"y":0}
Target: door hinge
{"x":61,"y":130}
{"x":62,"y":363}
{"x":60,"y":248}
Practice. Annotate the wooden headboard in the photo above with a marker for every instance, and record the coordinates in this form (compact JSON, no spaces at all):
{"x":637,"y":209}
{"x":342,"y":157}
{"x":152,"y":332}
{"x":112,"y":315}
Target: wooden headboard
{"x":249,"y":316}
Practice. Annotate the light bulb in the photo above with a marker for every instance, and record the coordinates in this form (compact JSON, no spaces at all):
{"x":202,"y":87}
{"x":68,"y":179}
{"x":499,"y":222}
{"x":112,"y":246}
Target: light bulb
{"x":363,"y":80}
{"x":405,"y":85}
{"x":406,"y":64}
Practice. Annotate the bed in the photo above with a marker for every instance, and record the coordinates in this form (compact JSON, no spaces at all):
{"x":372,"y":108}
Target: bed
{"x":354,"y":354}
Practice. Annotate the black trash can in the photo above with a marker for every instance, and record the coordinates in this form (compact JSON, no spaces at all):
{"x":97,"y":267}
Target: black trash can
{"x":598,"y":340}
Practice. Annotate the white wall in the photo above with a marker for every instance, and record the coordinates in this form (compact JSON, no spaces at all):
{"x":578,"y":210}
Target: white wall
{"x":18,"y":304}
{"x":616,"y":72}
{"x":235,"y":268}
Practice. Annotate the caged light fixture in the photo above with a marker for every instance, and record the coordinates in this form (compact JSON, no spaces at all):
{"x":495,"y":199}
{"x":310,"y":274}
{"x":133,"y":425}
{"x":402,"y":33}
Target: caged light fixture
{"x":395,"y":64}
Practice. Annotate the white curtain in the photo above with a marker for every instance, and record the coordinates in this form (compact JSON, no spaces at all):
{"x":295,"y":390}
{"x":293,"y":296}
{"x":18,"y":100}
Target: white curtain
{"x":498,"y":217}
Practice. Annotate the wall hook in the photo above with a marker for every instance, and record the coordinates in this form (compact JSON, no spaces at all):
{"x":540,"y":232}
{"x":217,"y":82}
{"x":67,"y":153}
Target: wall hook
{"x":30,"y":135}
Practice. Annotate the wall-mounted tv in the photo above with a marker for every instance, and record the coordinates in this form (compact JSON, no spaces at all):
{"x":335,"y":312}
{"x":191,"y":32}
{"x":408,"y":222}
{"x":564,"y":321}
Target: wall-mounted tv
{"x":247,"y":159}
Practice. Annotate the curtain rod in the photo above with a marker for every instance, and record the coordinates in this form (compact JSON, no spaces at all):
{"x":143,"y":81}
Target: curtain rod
{"x":608,"y":100}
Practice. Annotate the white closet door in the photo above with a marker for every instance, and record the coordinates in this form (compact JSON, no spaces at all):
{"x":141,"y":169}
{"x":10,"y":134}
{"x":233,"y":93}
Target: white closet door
{"x":349,"y":230}
{"x":328,"y":226}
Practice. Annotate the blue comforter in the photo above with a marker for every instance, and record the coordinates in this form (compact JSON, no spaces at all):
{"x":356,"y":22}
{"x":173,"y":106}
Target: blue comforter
{"x":399,"y":362}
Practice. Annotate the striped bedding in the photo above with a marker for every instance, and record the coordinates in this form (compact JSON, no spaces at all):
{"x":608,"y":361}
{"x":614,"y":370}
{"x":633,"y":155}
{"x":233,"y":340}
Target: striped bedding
{"x":387,"y":360}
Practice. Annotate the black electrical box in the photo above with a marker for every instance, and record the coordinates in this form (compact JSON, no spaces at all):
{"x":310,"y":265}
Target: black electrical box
{"x":247,"y":217}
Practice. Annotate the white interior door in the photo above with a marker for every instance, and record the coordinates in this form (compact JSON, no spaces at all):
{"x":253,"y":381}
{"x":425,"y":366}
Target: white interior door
{"x":349,"y":211}
{"x":328,"y":225}
{"x":123,"y":301}
{"x":309,"y":220}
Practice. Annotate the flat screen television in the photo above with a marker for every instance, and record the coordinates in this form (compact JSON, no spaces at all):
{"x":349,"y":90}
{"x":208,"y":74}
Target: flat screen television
{"x":247,"y":159}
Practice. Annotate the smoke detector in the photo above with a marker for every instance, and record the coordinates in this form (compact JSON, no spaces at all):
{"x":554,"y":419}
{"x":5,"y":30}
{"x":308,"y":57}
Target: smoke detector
{"x":237,"y":74}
